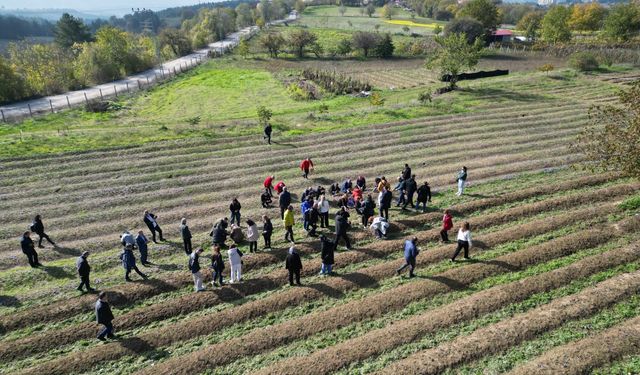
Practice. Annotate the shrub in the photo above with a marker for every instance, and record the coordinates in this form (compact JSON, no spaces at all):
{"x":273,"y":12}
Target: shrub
{"x":546,"y":68}
{"x":195,"y":120}
{"x":424,"y":97}
{"x":376,"y":99}
{"x":583,"y":61}
{"x":630,"y":204}
{"x":470,"y":27}
{"x":264,"y":115}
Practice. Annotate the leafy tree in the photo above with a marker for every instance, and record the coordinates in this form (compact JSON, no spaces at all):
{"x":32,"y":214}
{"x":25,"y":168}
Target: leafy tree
{"x":12,"y":87}
{"x":388,"y":11}
{"x":244,"y":17}
{"x":512,"y":13}
{"x":365,"y":41}
{"x":273,"y":43}
{"x":583,"y":61}
{"x":622,"y":23}
{"x":484,"y":11}
{"x":264,"y":115}
{"x":299,"y":39}
{"x":530,"y":24}
{"x":385,"y":47}
{"x":587,"y":17}
{"x":176,"y":40}
{"x":243,"y":48}
{"x":70,"y":30}
{"x":437,"y":30}
{"x":555,"y":25}
{"x":371,"y":9}
{"x":45,"y":68}
{"x":342,"y":10}
{"x":546,"y":68}
{"x":611,"y":141}
{"x":406,"y":29}
{"x":300,"y":6}
{"x":455,"y":54}
{"x":470,"y":27}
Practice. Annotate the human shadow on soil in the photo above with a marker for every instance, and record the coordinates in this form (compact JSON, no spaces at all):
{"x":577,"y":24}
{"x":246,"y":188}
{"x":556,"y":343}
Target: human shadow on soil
{"x":9,"y":301}
{"x":67,"y":251}
{"x":326,"y":290}
{"x":322,"y":180}
{"x":453,"y":284}
{"x":57,"y":272}
{"x":140,"y":347}
{"x":499,"y":263}
{"x":290,"y":145}
{"x":361,"y":280}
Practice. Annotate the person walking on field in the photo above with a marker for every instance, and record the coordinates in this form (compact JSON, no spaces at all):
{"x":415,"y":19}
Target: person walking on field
{"x":194,"y":267}
{"x":234,"y":208}
{"x":342,"y":224}
{"x":126,"y":238}
{"x":411,"y":252}
{"x":462,"y":180}
{"x":151,"y":221}
{"x":217,"y":265}
{"x":252,"y":236}
{"x":327,"y":249}
{"x":235,"y":261}
{"x":84,"y":269}
{"x":288,"y":221}
{"x":104,"y":316}
{"x":284,"y":201}
{"x":38,"y":228}
{"x":406,"y":172}
{"x":410,"y":187}
{"x":267,"y":231}
{"x":129,"y":263}
{"x":424,"y":196}
{"x":384,"y":202}
{"x":293,"y":264}
{"x":185,"y":233}
{"x":267,"y":133}
{"x":464,"y":241}
{"x":268,"y":184}
{"x":368,"y":210}
{"x":29,"y":249}
{"x":447,"y":224}
{"x":323,"y":208}
{"x":306,"y":165}
{"x":400,"y":188}
{"x":142,"y":241}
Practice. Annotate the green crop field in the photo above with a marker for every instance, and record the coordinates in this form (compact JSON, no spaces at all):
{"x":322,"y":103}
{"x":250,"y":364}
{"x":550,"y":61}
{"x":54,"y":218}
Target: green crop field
{"x":553,"y":281}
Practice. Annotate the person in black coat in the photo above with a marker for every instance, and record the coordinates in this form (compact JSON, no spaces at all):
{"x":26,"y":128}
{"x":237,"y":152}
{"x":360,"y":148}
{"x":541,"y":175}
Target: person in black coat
{"x":185,"y":233}
{"x":312,"y":218}
{"x":265,"y":198}
{"x":294,"y":265}
{"x":410,"y":187}
{"x":104,"y":316}
{"x":234,"y":209}
{"x":342,"y":224}
{"x":267,"y":133}
{"x":28,"y":248}
{"x":327,"y":249}
{"x":406,"y":172}
{"x":83,"y":267}
{"x":368,"y":210}
{"x":219,"y":232}
{"x":152,"y":223}
{"x":424,"y":196}
{"x":267,"y":231}
{"x":38,"y":228}
{"x":217,"y":265}
{"x":385,"y":203}
{"x":284,"y":201}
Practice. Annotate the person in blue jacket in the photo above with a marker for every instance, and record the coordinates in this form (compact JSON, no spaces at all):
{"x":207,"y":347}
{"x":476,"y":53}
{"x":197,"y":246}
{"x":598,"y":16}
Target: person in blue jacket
{"x":411,"y":252}
{"x":304,"y":207}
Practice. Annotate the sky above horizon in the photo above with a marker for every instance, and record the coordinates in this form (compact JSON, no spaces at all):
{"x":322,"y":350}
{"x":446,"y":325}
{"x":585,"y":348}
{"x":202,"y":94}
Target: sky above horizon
{"x":101,"y":6}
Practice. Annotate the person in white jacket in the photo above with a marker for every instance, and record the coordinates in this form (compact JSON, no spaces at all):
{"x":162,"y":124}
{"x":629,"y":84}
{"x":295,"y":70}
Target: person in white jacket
{"x":323,"y":208}
{"x":379,"y":226}
{"x":252,"y":235}
{"x":464,"y":241}
{"x":235,"y":260}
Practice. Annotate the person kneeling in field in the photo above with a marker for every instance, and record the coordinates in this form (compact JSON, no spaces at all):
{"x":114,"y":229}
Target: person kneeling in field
{"x":265,"y":199}
{"x":194,"y":267}
{"x":411,"y":252}
{"x":379,"y":226}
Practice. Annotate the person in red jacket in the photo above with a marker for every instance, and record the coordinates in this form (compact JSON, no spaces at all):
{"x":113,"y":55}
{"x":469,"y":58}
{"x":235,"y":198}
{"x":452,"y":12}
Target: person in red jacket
{"x":279,"y":187}
{"x":305,"y":166}
{"x":268,"y":184}
{"x":447,"y":224}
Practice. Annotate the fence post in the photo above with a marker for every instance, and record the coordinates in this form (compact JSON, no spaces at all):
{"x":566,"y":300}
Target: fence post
{"x":101,"y":97}
{"x":3,"y":119}
{"x":162,"y":72}
{"x":51,"y":105}
{"x":147,"y":80}
{"x":68,"y":103}
{"x":85,"y":98}
{"x":174,"y":71}
{"x":127,"y":83}
{"x":115,"y":90}
{"x":139,"y":88}
{"x":30,"y":113}
{"x":156,"y":75}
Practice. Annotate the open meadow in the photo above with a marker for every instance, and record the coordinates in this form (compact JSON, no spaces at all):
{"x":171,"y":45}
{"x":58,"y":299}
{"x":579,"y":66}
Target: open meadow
{"x":552,"y":286}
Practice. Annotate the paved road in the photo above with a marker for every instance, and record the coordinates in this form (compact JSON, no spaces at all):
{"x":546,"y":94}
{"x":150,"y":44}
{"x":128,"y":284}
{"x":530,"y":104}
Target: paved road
{"x":49,"y":104}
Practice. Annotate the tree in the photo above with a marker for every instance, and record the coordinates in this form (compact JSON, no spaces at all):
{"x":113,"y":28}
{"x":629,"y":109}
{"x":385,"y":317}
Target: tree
{"x":244,"y":17}
{"x":611,"y":141}
{"x":344,"y":47}
{"x":176,"y":40}
{"x":555,"y":25}
{"x":12,"y":87}
{"x":299,"y":39}
{"x":243,"y":48}
{"x":45,"y":68}
{"x":370,"y":9}
{"x":365,"y":41}
{"x":622,"y":23}
{"x":530,"y":24}
{"x":273,"y":43}
{"x":342,"y":10}
{"x":388,"y":11}
{"x":484,"y":11}
{"x":546,"y":68}
{"x":385,"y":47}
{"x":264,"y":115}
{"x":455,"y":54}
{"x":299,"y":6}
{"x":586,"y":17}
{"x":470,"y":27}
{"x":70,"y":30}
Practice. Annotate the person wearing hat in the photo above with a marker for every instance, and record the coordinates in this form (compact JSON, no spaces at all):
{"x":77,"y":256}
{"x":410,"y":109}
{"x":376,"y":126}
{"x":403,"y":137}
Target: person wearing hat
{"x":129,"y":262}
{"x":83,"y":267}
{"x":293,"y":264}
